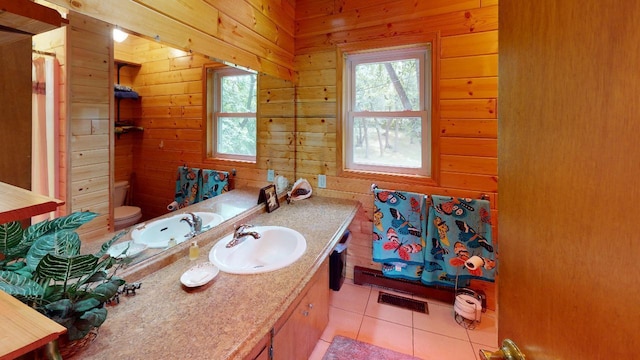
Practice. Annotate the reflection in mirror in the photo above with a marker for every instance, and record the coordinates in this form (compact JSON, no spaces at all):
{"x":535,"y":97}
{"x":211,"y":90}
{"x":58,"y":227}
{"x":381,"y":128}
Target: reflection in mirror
{"x":230,"y":109}
{"x":162,"y":129}
{"x":172,"y":110}
{"x":170,"y":232}
{"x":166,"y":127}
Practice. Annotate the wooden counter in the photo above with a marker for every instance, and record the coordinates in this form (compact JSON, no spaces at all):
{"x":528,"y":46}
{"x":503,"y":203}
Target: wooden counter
{"x":19,"y":204}
{"x":23,"y":329}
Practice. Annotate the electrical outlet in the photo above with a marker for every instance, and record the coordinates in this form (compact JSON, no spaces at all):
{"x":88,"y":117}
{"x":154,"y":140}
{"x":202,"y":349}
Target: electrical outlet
{"x":270,"y":175}
{"x":322,"y":181}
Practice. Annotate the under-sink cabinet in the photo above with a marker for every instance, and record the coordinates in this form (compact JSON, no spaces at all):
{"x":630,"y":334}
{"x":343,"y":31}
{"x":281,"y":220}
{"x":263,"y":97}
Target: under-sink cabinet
{"x":260,"y":351}
{"x":300,"y":328}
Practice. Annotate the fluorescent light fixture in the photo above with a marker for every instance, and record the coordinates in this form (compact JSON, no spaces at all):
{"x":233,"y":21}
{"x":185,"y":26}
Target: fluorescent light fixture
{"x":119,"y":35}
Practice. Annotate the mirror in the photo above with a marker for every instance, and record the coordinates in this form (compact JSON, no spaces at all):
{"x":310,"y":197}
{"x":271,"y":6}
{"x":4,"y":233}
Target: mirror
{"x":170,"y":117}
{"x":171,"y":127}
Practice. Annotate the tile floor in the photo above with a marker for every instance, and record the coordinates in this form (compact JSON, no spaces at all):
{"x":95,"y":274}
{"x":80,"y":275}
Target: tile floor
{"x":356,"y":313}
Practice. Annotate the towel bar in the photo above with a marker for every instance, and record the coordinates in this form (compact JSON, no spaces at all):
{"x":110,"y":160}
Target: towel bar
{"x":483,"y":196}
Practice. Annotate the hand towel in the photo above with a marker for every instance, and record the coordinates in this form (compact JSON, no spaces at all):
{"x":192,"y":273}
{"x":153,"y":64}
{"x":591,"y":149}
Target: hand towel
{"x":397,"y":233}
{"x":213,"y":183}
{"x":458,"y":229}
{"x":188,"y":184}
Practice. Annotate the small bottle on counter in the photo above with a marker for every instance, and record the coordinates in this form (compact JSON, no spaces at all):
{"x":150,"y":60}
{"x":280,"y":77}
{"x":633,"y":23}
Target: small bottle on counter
{"x":194,"y":251}
{"x":172,"y":242}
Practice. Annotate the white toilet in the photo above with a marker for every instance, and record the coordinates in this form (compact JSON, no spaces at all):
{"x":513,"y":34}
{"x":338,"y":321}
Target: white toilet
{"x":124,"y":216}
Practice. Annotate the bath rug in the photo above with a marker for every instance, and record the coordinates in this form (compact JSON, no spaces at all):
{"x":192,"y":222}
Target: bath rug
{"x":343,"y":348}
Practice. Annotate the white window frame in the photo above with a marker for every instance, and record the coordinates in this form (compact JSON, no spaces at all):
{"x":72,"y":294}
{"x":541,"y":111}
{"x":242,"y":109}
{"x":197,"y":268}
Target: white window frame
{"x":424,"y":56}
{"x":214,"y":99}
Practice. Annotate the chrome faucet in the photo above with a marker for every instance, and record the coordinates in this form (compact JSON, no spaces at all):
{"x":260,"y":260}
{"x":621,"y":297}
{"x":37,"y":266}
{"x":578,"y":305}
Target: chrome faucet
{"x":195,"y":222}
{"x":240,"y":233}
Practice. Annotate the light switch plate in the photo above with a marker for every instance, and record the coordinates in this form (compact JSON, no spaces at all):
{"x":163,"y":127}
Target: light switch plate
{"x":322,"y":181}
{"x":270,"y":175}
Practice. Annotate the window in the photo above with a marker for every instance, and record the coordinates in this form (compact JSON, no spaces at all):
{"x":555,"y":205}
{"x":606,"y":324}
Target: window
{"x":388,"y":111}
{"x":231,"y":114}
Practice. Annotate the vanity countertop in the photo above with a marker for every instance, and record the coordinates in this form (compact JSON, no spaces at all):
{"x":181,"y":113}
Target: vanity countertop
{"x":227,"y":317}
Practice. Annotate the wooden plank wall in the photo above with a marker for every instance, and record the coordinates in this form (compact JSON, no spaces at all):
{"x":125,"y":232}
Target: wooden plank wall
{"x":90,"y":102}
{"x":468,"y":61}
{"x":170,"y":83}
{"x":55,"y":41}
{"x":257,"y":34}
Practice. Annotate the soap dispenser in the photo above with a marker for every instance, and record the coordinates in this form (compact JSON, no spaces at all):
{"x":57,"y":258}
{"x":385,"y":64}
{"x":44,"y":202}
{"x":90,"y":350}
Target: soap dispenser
{"x":194,"y":250}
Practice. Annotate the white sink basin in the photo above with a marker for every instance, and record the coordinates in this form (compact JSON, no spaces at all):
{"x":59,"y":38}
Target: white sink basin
{"x":276,"y":248}
{"x":157,"y":234}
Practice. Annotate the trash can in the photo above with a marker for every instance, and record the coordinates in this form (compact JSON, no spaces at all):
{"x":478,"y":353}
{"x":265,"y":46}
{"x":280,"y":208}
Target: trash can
{"x":338,"y":262}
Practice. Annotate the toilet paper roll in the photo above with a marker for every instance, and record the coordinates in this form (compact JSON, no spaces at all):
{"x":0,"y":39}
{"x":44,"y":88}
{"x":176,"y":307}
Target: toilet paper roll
{"x":474,"y":262}
{"x":173,"y":206}
{"x":468,"y":307}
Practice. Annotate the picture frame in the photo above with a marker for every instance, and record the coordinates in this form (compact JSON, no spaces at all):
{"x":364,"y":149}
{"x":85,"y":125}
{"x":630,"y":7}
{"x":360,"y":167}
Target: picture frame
{"x":269,"y":195}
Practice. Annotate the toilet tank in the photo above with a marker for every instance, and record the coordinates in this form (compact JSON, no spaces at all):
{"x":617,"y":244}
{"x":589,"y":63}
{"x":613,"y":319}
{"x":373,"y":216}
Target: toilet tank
{"x":120,"y":193}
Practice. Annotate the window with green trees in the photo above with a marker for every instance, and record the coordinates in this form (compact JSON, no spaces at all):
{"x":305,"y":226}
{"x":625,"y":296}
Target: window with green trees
{"x":388,"y":107}
{"x":232,"y":96}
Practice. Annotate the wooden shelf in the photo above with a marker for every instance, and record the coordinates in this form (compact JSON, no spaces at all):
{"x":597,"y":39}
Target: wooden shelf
{"x":22,"y":18}
{"x":19,"y":204}
{"x":120,"y":62}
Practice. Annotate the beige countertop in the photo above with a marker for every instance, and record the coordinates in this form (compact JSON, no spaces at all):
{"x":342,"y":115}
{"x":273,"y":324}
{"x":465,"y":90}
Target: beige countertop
{"x":227,"y":317}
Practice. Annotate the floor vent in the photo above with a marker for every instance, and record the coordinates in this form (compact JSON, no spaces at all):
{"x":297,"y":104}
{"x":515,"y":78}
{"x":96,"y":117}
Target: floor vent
{"x":403,"y":302}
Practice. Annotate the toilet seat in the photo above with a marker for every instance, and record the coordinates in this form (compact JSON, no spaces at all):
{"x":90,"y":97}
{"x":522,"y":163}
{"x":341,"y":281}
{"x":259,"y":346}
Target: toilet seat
{"x":125,"y":216}
{"x":126,"y":212}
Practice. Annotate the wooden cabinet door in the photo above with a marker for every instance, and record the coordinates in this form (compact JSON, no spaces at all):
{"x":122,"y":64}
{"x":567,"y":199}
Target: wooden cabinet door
{"x":264,"y":355}
{"x":299,"y":334}
{"x":261,"y":350}
{"x":316,"y":303}
{"x":15,"y":117}
{"x":289,"y":342}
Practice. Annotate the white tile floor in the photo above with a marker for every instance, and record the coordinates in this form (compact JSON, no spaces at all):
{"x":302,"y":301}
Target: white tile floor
{"x":356,"y":313}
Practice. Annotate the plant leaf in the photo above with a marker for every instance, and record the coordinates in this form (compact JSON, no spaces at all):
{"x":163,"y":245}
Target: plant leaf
{"x":69,"y":222}
{"x":98,"y":276}
{"x":81,"y":326}
{"x":62,"y":308}
{"x":53,"y":292}
{"x":86,"y":305}
{"x":15,"y":284}
{"x":63,"y":242}
{"x":15,"y":266}
{"x":11,"y":242}
{"x":107,"y":290}
{"x":95,"y":316}
{"x":105,"y":247}
{"x":63,"y":268}
{"x":10,"y":235}
{"x":26,"y":272}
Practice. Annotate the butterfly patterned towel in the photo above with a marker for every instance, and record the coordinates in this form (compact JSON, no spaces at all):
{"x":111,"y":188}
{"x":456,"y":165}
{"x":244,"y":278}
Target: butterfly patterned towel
{"x":213,"y":183}
{"x":188,"y":183}
{"x":397,"y":233}
{"x":457,"y":230}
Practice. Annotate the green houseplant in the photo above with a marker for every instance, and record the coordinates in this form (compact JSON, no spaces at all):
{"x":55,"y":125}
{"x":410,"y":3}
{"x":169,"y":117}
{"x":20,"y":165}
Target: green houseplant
{"x":42,"y":266}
